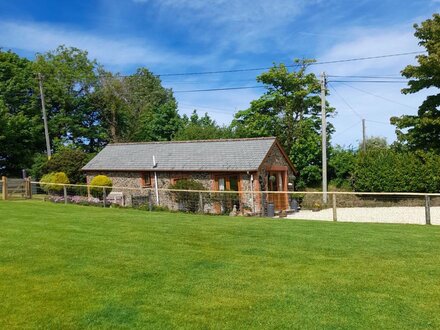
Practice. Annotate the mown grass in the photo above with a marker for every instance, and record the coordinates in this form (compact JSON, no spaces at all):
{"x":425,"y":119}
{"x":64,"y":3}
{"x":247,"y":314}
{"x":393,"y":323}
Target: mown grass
{"x":71,"y":267}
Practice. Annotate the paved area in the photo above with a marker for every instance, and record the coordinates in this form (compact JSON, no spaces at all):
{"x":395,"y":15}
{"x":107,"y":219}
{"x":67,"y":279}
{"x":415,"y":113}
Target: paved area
{"x":408,"y":215}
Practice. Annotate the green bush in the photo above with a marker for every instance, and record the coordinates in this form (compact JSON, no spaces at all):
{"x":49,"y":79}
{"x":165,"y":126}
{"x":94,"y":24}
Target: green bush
{"x":188,"y":201}
{"x":100,"y":181}
{"x":389,"y":170}
{"x":67,"y":160}
{"x":54,"y":177}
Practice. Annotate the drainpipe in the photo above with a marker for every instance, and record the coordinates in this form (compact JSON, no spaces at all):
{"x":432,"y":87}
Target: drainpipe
{"x":155,"y":181}
{"x":252,"y":193}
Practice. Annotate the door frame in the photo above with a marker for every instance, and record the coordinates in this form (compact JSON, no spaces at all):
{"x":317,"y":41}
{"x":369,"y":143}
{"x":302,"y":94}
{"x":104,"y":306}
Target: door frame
{"x":283,"y":199}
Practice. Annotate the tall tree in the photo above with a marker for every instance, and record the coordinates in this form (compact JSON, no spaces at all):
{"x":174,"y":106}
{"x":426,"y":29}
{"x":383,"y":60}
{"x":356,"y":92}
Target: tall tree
{"x":137,"y":107}
{"x":423,"y":130}
{"x":201,"y":128}
{"x":70,"y":79}
{"x":21,"y":129}
{"x":290,"y":110}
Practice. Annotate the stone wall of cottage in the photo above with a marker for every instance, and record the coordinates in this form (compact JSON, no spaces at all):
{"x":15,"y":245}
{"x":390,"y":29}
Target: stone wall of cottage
{"x":249,"y":202}
{"x":128,"y":182}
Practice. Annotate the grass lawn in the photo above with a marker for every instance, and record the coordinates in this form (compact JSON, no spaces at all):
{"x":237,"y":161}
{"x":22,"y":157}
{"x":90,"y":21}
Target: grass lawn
{"x":70,"y":267}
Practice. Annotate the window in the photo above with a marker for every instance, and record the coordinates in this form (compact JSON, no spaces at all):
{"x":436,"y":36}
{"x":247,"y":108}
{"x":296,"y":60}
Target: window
{"x":221,"y":184}
{"x":145,"y":179}
{"x":227,"y":182}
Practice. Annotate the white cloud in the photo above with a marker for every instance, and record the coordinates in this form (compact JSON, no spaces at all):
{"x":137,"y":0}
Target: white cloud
{"x":364,"y":42}
{"x":240,"y":26}
{"x":109,"y":50}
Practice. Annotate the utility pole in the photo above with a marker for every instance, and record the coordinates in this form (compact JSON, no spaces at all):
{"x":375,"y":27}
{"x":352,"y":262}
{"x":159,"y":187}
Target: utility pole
{"x":324,"y":138}
{"x":43,"y":109}
{"x":364,"y":141}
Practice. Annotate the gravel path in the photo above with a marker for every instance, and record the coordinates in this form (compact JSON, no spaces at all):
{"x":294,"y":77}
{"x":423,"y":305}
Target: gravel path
{"x":409,"y":215}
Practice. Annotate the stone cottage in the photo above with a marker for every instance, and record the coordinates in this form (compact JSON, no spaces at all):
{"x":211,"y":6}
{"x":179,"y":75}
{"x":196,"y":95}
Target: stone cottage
{"x":251,"y":167}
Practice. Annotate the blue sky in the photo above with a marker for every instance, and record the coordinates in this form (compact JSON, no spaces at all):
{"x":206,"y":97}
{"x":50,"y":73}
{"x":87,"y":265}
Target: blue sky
{"x":170,"y":36}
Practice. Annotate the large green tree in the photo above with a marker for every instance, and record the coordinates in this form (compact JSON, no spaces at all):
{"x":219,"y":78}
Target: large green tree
{"x":195,"y":127}
{"x":70,"y":79}
{"x":21,"y":129}
{"x":290,"y":110}
{"x":422,"y":131}
{"x":136,"y":107}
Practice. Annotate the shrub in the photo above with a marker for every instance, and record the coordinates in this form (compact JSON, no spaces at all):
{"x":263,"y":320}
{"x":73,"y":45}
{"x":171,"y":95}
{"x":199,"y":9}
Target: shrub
{"x":100,"y":181}
{"x":392,"y":171}
{"x":54,"y":177}
{"x":67,"y":160}
{"x":188,"y":201}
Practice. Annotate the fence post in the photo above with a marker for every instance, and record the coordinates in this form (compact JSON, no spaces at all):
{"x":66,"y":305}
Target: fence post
{"x":104,"y":196}
{"x":26,"y":188}
{"x":150,"y":202}
{"x":427,"y":210}
{"x":335,"y":217}
{"x":89,"y":195}
{"x":65,"y":194}
{"x":29,"y":182}
{"x":4,"y":188}
{"x":201,"y":206}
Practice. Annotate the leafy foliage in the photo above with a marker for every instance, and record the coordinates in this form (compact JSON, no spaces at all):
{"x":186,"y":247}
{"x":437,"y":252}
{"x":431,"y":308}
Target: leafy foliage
{"x":423,"y":130}
{"x":100,"y":181}
{"x":69,"y":80}
{"x":201,"y":128}
{"x":188,"y":201}
{"x":137,"y":107}
{"x":290,"y":110}
{"x":54,"y":177}
{"x":389,"y":170}
{"x":20,"y":116}
{"x":341,"y":166}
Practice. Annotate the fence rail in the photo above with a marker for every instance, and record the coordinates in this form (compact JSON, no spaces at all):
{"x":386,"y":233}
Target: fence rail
{"x":399,"y":207}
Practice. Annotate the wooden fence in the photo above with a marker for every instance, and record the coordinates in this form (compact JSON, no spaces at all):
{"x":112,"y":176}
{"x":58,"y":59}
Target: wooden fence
{"x":25,"y":189}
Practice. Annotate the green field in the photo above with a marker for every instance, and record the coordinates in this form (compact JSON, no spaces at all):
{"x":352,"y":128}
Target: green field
{"x":69,"y":267}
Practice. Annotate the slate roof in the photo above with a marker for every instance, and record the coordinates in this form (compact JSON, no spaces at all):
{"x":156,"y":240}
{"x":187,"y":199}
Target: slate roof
{"x":208,"y":155}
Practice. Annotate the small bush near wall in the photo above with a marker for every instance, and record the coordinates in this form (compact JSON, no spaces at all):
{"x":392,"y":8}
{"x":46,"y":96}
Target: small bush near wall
{"x":55,"y":177}
{"x":187,"y":201}
{"x":100,"y":181}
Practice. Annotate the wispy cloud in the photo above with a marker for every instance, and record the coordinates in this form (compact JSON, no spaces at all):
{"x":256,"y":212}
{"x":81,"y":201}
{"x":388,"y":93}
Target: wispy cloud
{"x":238,"y":26}
{"x":375,"y":102}
{"x":115,"y":52}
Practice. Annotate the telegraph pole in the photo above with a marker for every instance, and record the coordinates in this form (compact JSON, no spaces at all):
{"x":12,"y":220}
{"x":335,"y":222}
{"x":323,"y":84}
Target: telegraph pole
{"x":324,"y":138}
{"x":43,"y":109}
{"x":364,"y":141}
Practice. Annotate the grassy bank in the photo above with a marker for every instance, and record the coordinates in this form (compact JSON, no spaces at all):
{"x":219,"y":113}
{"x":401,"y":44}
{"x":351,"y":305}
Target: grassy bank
{"x":75,"y":267}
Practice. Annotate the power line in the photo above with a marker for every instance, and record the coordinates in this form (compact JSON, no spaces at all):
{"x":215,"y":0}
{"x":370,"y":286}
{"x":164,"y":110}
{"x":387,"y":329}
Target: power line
{"x":377,"y":122}
{"x":389,"y":77}
{"x":217,"y":89}
{"x":288,"y":66}
{"x":345,"y":101}
{"x":347,"y":129}
{"x":371,"y":81}
{"x":378,"y":96}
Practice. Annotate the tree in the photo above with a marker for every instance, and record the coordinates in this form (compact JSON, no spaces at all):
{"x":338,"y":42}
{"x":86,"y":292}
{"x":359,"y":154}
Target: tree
{"x":21,"y":129}
{"x":201,"y":128}
{"x":290,"y":110}
{"x":341,"y":166}
{"x":136,"y":107}
{"x":70,"y":80}
{"x":67,"y":160}
{"x":393,"y":171}
{"x":423,"y":130}
{"x":375,"y":142}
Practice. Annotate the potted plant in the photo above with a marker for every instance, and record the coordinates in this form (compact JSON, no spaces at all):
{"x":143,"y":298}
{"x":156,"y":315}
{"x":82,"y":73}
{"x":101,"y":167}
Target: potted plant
{"x":316,"y":207}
